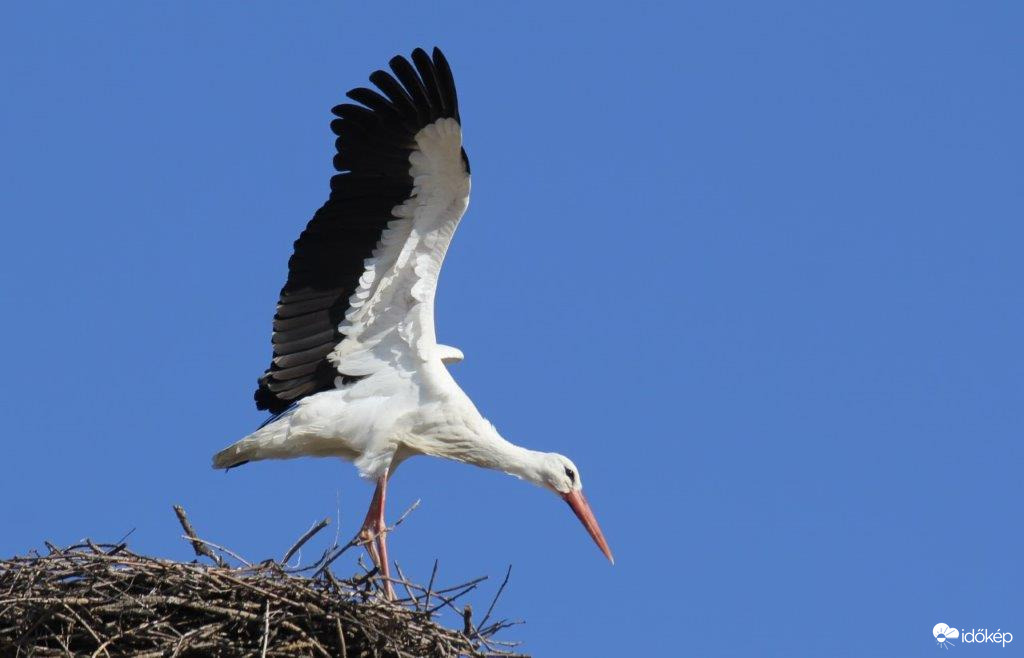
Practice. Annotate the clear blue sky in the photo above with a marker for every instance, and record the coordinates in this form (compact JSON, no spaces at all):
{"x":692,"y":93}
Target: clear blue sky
{"x":756,"y":267}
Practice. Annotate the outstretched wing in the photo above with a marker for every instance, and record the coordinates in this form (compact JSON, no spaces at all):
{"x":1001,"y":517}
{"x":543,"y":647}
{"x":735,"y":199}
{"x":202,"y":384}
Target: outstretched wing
{"x":364,"y":271}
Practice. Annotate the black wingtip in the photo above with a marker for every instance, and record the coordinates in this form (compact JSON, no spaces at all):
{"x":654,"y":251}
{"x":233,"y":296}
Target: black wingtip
{"x":447,"y":82}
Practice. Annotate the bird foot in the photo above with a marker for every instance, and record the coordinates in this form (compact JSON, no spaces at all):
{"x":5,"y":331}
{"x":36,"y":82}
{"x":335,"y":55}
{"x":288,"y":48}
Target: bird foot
{"x":374,"y":534}
{"x":374,"y":538}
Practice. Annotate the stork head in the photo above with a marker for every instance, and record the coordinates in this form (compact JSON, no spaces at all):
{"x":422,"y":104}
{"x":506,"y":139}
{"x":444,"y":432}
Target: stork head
{"x":560,"y":475}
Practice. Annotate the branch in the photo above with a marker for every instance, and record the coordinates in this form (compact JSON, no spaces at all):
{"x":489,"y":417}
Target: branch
{"x":317,"y":527}
{"x":197,"y":544}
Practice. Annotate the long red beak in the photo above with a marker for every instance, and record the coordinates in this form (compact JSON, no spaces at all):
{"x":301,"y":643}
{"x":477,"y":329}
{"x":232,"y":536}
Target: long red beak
{"x":579,"y":505}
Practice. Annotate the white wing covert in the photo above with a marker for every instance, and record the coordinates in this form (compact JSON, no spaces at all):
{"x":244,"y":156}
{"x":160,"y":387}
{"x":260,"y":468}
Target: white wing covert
{"x":390,"y":321}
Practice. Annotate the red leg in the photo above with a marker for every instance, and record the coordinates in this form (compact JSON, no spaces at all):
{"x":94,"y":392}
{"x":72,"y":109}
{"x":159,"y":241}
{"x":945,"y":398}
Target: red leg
{"x":368,"y":533}
{"x":374,"y":533}
{"x":382,"y":542}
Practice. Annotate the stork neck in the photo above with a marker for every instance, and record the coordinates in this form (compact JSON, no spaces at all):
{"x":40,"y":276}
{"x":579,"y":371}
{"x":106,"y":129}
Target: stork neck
{"x":488,"y":449}
{"x":515,"y":460}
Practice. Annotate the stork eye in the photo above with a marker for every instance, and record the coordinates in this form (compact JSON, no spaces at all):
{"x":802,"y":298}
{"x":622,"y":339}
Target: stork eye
{"x":571,"y":474}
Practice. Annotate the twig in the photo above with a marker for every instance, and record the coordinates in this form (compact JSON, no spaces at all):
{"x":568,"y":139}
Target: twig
{"x":449,"y":601}
{"x":355,"y":541}
{"x":87,"y":627}
{"x":197,"y":544}
{"x":317,"y":527}
{"x":496,"y":595}
{"x":405,"y":583}
{"x":341,"y":637}
{"x":226,"y":551}
{"x":475,"y":581}
{"x":338,"y":553}
{"x":266,"y":629}
{"x":406,"y":513}
{"x":430,"y":585}
{"x":125,"y":536}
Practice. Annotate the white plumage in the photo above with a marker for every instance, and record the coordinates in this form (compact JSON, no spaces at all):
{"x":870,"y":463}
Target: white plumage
{"x":388,"y":394}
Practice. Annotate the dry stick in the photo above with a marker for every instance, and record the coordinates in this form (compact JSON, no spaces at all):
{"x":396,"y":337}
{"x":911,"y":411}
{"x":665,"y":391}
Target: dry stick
{"x":448,"y":601}
{"x":317,"y":527}
{"x":468,"y":629}
{"x":355,"y":541}
{"x":411,"y":589}
{"x":315,"y":565}
{"x":111,"y":640}
{"x":43,"y":617}
{"x":64,"y":645}
{"x":197,"y":545}
{"x":500,"y":626}
{"x":404,"y":514}
{"x":327,"y":551}
{"x":475,"y":581}
{"x":341,"y":637}
{"x":312,"y":640}
{"x":327,"y":563}
{"x":87,"y":627}
{"x":226,"y":551}
{"x":242,"y":583}
{"x":185,"y":639}
{"x":124,"y":537}
{"x":496,"y":595}
{"x":467,"y":615}
{"x":266,"y":629}
{"x":430,"y":585}
{"x":405,"y":583}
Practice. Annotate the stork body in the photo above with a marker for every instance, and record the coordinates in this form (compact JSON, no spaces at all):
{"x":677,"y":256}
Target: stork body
{"x":357,"y":371}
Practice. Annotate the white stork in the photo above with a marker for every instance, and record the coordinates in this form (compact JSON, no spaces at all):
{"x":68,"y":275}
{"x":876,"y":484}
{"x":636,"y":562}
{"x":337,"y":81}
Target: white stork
{"x":357,"y":371}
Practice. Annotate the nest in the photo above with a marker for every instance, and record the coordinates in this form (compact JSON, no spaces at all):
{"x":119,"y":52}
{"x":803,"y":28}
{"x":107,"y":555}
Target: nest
{"x":104,"y":600}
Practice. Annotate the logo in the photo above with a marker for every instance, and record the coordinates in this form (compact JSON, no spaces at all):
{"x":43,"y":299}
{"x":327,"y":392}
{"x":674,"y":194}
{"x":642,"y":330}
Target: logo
{"x":944,"y":634}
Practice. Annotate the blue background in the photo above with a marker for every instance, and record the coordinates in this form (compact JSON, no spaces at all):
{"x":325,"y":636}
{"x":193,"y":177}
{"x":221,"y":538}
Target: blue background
{"x":756,"y":267}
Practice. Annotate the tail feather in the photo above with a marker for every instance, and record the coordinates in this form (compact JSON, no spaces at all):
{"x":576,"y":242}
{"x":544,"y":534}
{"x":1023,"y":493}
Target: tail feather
{"x":239,"y":453}
{"x":264,"y":443}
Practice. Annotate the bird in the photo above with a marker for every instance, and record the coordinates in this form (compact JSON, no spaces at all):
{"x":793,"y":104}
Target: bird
{"x":357,"y":371}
